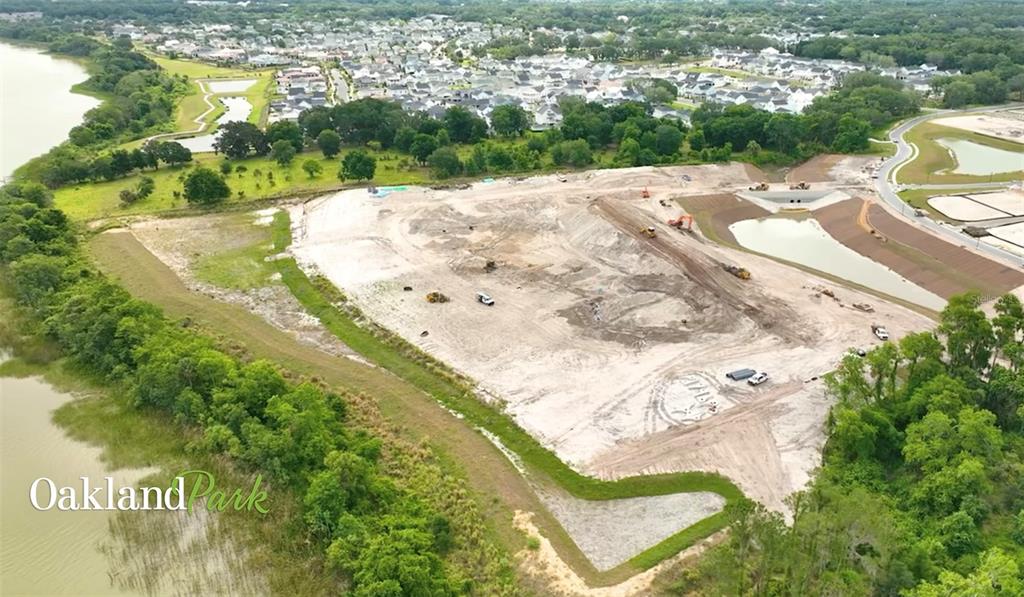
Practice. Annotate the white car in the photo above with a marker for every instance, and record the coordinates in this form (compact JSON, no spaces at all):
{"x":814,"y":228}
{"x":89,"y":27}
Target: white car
{"x":485,"y":299}
{"x":758,"y":378}
{"x":881,"y":333}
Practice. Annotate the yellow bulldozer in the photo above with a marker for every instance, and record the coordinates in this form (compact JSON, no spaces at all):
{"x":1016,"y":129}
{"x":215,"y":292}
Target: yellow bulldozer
{"x":739,"y":272}
{"x":437,"y":297}
{"x":649,"y":232}
{"x":761,"y":186}
{"x":800,"y":186}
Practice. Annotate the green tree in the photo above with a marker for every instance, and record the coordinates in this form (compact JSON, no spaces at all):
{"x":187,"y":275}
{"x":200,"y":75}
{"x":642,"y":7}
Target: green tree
{"x":444,"y":163}
{"x":463,"y":126}
{"x":204,"y":186}
{"x":329,"y":143}
{"x":422,"y":146}
{"x":958,"y":94}
{"x":996,"y":576}
{"x":286,"y":130}
{"x":358,"y":165}
{"x":238,"y":140}
{"x":312,"y":168}
{"x":667,"y":139}
{"x":510,"y":120}
{"x":283,"y":152}
{"x":851,"y":135}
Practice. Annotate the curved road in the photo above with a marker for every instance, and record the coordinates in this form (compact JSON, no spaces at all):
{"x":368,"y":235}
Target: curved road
{"x":886,"y":186}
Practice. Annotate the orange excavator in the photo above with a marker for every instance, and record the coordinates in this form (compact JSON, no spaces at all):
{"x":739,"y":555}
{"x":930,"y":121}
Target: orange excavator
{"x":680,"y":221}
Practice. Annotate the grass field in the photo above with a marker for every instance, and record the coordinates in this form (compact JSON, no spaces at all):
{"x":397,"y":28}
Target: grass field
{"x":99,"y":200}
{"x":728,"y":72}
{"x":89,"y":201}
{"x":933,"y":158}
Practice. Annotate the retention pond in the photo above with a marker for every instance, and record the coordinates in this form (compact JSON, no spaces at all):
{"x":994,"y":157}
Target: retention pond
{"x":805,"y":242}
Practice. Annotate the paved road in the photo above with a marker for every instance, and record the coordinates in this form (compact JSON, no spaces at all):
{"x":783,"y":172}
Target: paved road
{"x":886,"y":186}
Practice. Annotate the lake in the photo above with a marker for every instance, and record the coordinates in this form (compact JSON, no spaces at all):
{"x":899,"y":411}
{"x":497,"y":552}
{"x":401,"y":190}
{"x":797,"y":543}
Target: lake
{"x":37,"y":108}
{"x":981,"y":160}
{"x":807,"y":243}
{"x":51,"y":552}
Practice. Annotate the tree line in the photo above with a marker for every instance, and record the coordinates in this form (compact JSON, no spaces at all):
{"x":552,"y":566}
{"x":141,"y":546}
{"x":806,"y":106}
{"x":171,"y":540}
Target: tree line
{"x":381,"y":539}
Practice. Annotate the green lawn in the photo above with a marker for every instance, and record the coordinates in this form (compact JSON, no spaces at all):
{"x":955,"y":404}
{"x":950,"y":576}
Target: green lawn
{"x":89,"y":201}
{"x":200,"y":70}
{"x":729,"y":72}
{"x":933,"y":159}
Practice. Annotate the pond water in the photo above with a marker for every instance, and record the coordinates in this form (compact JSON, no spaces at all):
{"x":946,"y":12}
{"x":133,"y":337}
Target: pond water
{"x":806,"y":242}
{"x":236,"y":109}
{"x":981,"y":160}
{"x":37,"y":108}
{"x":51,"y":552}
{"x":231,"y":86}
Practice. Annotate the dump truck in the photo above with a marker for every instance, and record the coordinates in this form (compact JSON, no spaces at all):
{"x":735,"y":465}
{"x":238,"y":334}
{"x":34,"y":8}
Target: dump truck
{"x":800,"y":186}
{"x":437,"y":297}
{"x":761,"y":186}
{"x":739,"y":272}
{"x":649,"y":232}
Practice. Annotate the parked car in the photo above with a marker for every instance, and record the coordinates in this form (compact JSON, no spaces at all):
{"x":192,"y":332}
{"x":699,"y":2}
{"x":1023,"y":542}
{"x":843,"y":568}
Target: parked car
{"x":880,"y":332}
{"x":485,"y":299}
{"x":758,"y":379}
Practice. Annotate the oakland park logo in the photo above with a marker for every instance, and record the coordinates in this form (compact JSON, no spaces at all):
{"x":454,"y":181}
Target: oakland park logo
{"x":46,"y":495}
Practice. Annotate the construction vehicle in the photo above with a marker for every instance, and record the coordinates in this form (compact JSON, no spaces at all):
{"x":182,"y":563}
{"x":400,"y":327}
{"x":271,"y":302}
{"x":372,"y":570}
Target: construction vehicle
{"x":761,"y":186}
{"x":800,"y":186}
{"x":682,"y":219}
{"x":739,"y":272}
{"x":645,"y":193}
{"x":649,"y":232}
{"x":437,"y":297}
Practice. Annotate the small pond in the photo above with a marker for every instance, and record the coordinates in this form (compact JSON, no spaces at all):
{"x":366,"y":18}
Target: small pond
{"x":806,"y":242}
{"x":236,"y":109}
{"x":981,"y":160}
{"x":230,"y":86}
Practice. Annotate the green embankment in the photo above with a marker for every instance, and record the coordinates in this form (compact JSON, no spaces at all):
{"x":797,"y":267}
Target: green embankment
{"x":934,"y":164}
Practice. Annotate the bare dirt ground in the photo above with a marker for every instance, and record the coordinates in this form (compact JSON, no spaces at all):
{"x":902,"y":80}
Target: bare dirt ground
{"x":1007,"y":125}
{"x":842,"y":169}
{"x":182,"y":242}
{"x":815,"y":169}
{"x":601,"y":337}
{"x":939,"y":266}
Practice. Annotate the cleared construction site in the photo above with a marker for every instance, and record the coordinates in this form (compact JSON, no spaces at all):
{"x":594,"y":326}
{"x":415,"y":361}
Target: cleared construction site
{"x":607,"y":332}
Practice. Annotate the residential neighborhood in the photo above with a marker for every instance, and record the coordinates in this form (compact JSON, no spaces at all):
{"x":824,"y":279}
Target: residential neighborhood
{"x":432,"y":62}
